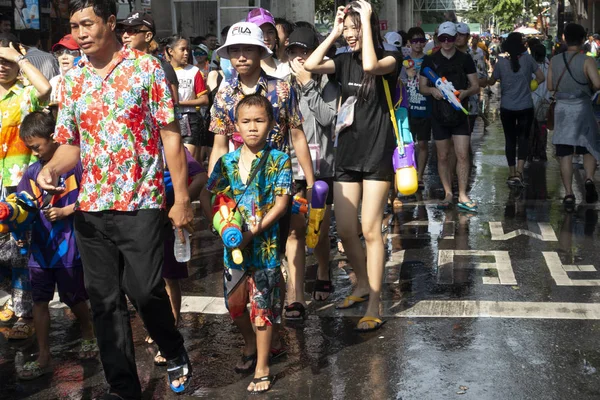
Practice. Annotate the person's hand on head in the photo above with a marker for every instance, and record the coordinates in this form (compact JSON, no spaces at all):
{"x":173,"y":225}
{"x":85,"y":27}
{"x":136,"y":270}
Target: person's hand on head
{"x":10,"y":53}
{"x":365,"y":11}
{"x":338,"y":25}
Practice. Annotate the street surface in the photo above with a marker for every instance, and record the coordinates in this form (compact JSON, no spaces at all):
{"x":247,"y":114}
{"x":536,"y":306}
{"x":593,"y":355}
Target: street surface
{"x":503,"y":304}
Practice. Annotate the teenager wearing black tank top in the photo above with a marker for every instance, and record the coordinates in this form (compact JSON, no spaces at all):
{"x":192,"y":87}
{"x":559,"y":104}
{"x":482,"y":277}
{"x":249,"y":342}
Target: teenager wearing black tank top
{"x":364,"y":149}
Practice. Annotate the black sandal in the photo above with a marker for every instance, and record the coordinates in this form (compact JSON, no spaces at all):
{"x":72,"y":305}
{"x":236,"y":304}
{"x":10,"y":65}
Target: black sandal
{"x":323,"y":287}
{"x":298,"y":307}
{"x":591,"y":195}
{"x":268,"y":378}
{"x":245,"y":359}
{"x":569,"y":202}
{"x":179,"y":367}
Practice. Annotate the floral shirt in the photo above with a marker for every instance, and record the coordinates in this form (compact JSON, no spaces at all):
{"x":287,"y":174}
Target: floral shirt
{"x":274,"y":179}
{"x":116,"y":122}
{"x":285,"y":107}
{"x":14,"y":155}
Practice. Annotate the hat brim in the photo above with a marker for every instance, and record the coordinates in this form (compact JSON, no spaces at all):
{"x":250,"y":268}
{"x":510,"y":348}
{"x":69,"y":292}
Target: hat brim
{"x":136,"y":23}
{"x":299,"y":44}
{"x":223,"y":52}
{"x":65,"y":45}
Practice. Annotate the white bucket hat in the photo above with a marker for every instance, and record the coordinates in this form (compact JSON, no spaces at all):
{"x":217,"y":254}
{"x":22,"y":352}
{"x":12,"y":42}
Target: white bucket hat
{"x":244,"y":33}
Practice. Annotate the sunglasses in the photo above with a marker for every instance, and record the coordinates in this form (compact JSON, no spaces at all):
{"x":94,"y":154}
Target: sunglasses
{"x":418,"y":40}
{"x":74,"y":53}
{"x":198,"y":54}
{"x":133,"y":31}
{"x":447,"y":39}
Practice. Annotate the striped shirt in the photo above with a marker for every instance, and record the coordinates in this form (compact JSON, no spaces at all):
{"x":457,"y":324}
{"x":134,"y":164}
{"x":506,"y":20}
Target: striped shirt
{"x":46,"y":63}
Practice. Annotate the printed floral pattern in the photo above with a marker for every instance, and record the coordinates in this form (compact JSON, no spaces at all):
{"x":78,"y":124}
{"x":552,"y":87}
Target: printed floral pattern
{"x":19,"y":101}
{"x":274,"y":179}
{"x":116,"y":122}
{"x":285,"y":107}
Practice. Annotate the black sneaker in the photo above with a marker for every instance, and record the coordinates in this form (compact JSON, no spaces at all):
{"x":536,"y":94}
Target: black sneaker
{"x":591,"y":195}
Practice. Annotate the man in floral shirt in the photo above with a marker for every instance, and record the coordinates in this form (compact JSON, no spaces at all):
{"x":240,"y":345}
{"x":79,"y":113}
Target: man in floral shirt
{"x":118,"y":110}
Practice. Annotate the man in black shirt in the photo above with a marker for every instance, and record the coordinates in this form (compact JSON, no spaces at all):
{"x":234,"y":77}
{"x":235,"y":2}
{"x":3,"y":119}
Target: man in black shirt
{"x":450,"y":126}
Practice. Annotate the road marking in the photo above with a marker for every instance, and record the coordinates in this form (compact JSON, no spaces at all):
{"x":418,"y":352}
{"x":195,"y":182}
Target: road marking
{"x":546,"y":232}
{"x":501,"y":309}
{"x":502,"y":265}
{"x":559,"y":271}
{"x":430,"y":224}
{"x":424,"y":309}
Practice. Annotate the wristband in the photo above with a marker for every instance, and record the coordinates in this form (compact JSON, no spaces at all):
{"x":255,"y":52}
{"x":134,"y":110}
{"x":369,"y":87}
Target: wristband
{"x":309,"y":187}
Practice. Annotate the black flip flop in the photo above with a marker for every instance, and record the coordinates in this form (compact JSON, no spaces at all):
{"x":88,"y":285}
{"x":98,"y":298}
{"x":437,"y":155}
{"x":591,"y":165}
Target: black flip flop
{"x":245,"y":359}
{"x":268,"y":378}
{"x":298,"y":307}
{"x":323,"y":287}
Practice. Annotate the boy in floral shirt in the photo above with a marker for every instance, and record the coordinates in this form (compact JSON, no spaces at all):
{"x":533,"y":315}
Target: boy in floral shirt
{"x":262,"y":202}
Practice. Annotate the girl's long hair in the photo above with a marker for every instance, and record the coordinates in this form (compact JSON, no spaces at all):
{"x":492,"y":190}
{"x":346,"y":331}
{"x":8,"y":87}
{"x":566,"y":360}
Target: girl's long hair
{"x":368,"y":81}
{"x":514,"y":47}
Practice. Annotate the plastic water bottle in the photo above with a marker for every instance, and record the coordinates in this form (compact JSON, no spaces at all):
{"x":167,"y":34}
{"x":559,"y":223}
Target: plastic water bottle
{"x":182,"y":249}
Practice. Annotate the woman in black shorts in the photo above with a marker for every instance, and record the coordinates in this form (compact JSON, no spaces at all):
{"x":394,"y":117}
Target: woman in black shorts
{"x":363,"y":171}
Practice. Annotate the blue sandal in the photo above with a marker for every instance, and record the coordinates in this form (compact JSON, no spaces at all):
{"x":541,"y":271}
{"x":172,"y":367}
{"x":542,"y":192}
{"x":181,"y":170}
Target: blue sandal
{"x":177,"y":368}
{"x":468,"y":206}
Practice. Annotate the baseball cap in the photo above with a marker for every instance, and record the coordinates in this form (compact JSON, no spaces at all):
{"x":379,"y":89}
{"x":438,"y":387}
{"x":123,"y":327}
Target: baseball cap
{"x":393,"y":38}
{"x":303,"y":37}
{"x":201,"y":49}
{"x":137,"y":18}
{"x":596,"y":36}
{"x":447,"y":28}
{"x":243,"y":33}
{"x":260,"y":16}
{"x":463,"y":28}
{"x":67,"y":42}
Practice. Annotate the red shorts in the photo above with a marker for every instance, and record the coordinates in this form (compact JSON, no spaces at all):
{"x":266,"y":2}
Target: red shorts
{"x":260,"y":288}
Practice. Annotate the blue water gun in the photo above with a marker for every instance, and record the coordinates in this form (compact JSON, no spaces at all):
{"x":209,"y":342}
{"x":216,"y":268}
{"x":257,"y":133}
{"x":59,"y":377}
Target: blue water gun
{"x":17,"y":213}
{"x":450,"y":94}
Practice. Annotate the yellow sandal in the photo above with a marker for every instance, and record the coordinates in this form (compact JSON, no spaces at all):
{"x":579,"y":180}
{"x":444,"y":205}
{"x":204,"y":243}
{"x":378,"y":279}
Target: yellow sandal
{"x":352,"y":300}
{"x":373,"y":322}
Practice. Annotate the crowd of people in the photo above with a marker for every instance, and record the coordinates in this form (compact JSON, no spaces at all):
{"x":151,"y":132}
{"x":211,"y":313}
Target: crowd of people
{"x":116,"y":132}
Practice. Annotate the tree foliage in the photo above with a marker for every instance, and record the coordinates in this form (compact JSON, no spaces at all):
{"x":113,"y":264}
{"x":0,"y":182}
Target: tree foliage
{"x":507,"y":13}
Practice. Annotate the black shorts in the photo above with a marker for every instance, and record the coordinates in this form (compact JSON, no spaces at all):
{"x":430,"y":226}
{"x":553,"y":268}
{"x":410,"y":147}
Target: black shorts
{"x":300,"y":187}
{"x":443,"y":132}
{"x":207,"y":138}
{"x":346,"y":175}
{"x":472,"y":120}
{"x":563,"y":150}
{"x":420,"y":128}
{"x":196,"y":124}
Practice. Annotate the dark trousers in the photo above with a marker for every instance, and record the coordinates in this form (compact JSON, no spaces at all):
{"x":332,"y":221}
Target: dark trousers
{"x":122,"y":254}
{"x":516,"y":125}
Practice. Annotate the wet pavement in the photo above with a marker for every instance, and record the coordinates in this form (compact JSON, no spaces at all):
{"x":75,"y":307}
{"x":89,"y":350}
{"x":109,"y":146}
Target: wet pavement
{"x":503,"y":304}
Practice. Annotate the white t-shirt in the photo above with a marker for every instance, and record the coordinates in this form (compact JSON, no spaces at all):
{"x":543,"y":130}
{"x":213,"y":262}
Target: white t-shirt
{"x":191,"y":85}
